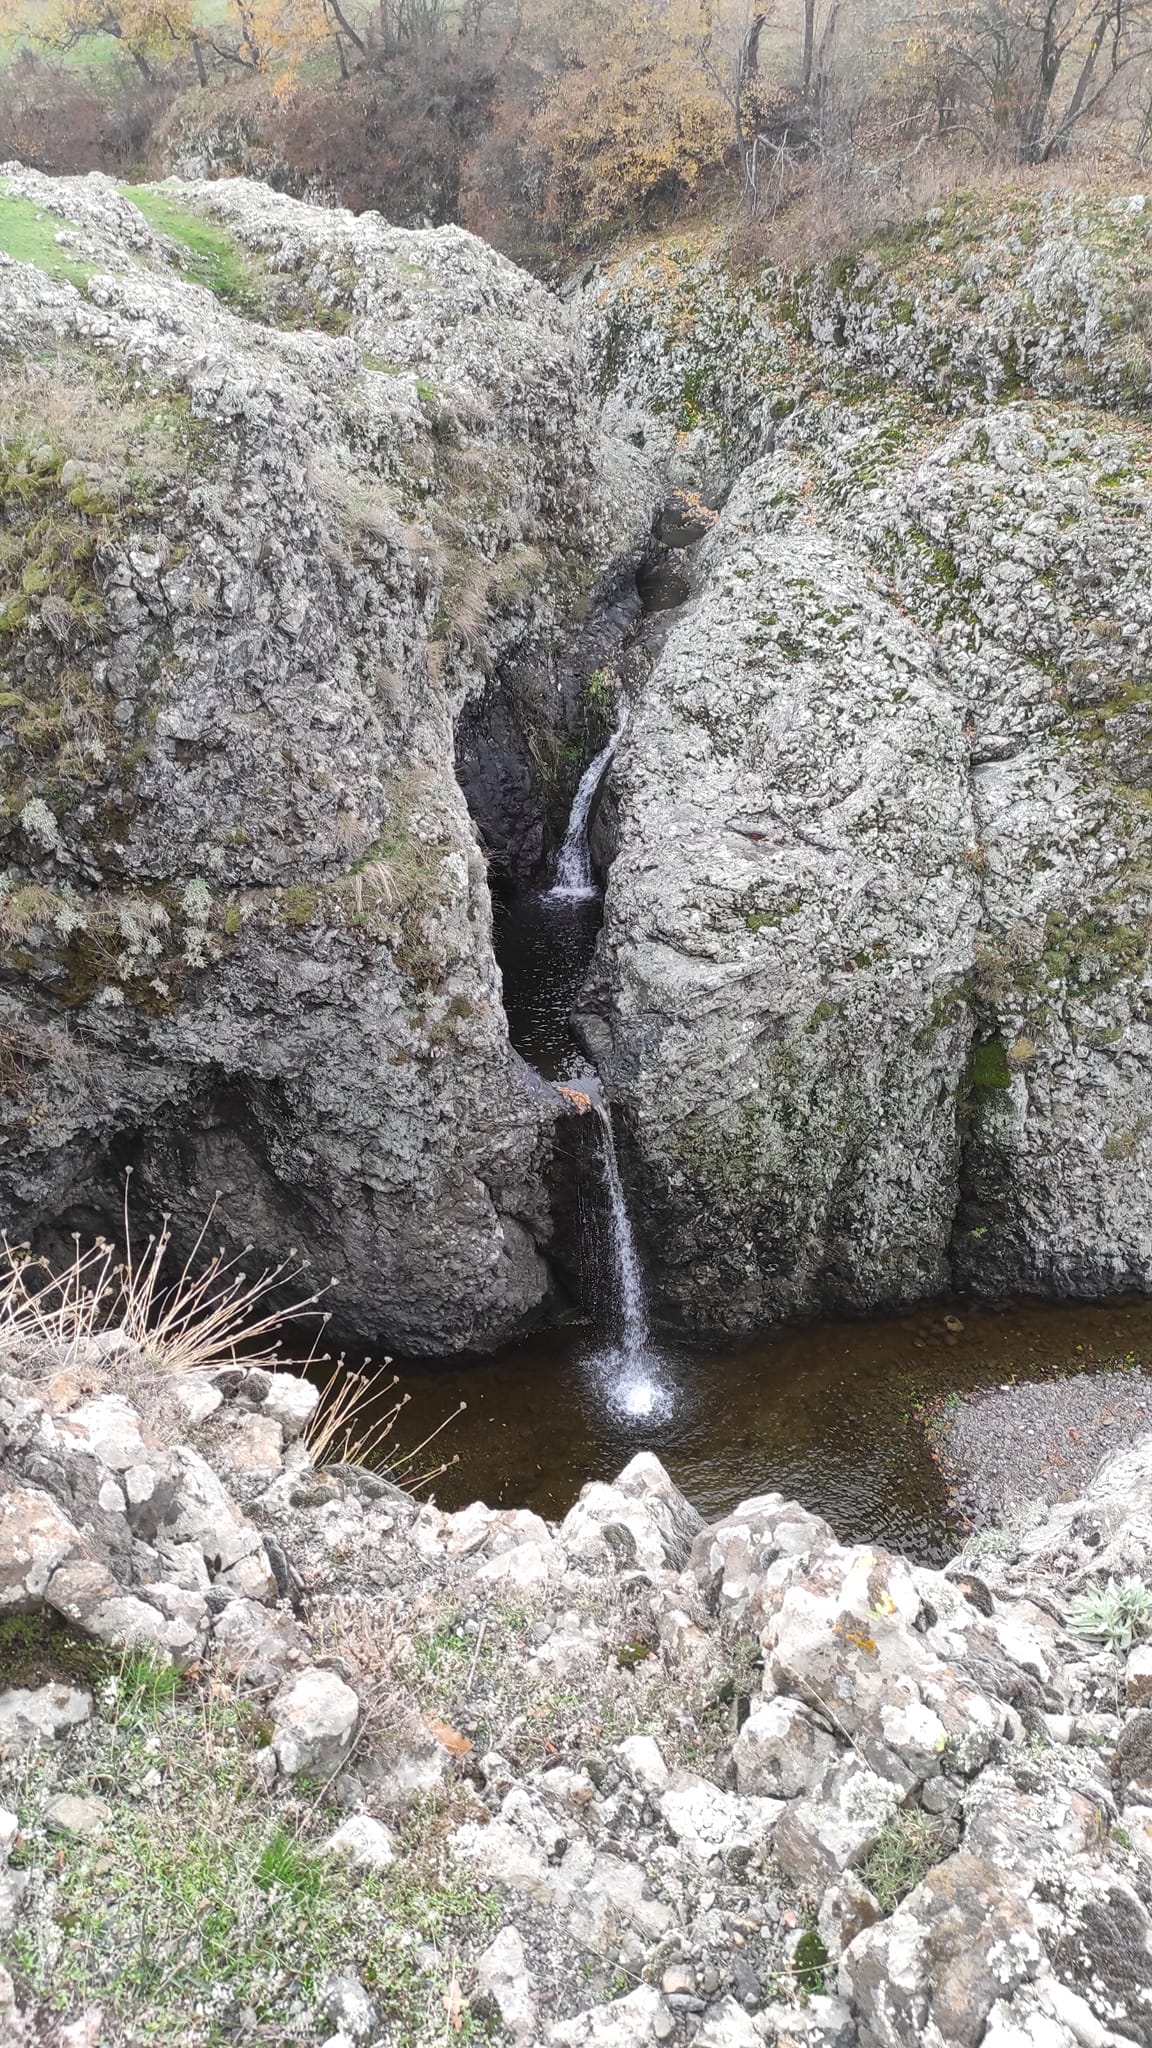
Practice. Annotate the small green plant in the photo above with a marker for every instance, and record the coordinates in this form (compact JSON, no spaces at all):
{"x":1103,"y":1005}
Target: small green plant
{"x":603,"y":684}
{"x":992,"y":1542}
{"x":144,"y":1686}
{"x":911,"y":1844}
{"x":809,"y":1964}
{"x":1115,"y":1615}
{"x":287,"y":1867}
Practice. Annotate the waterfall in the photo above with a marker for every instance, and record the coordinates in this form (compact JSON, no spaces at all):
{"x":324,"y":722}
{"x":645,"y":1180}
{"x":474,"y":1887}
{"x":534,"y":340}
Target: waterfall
{"x":632,"y":1377}
{"x":574,"y":877}
{"x":629,"y":1277}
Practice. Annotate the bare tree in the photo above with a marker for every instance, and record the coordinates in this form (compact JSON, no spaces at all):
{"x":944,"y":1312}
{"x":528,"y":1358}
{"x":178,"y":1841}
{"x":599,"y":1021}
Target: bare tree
{"x":1030,"y":71}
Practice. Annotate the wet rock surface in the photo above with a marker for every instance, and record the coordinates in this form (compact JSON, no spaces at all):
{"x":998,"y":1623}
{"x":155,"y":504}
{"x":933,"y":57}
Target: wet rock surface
{"x":746,"y":1784}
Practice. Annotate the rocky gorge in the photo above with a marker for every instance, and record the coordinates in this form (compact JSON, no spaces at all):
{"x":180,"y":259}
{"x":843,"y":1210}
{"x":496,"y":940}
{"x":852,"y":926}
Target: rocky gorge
{"x":319,"y":559}
{"x":331,"y":557}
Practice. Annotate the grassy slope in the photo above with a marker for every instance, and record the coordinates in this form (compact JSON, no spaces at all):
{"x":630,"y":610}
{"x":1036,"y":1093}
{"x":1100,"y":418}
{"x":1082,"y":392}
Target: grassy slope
{"x":209,"y":256}
{"x":29,"y":236}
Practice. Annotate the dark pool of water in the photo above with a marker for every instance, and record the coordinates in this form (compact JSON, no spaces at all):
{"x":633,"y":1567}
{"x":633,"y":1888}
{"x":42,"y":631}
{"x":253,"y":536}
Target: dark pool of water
{"x":827,"y":1413}
{"x":544,"y":945}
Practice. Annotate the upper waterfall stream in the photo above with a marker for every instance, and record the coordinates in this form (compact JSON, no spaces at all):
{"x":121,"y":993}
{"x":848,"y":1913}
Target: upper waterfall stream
{"x":574,"y":876}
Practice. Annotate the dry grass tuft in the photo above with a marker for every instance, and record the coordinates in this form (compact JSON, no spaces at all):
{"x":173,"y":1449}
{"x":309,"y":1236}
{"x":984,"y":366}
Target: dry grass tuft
{"x":356,"y":1418}
{"x":104,"y":1303}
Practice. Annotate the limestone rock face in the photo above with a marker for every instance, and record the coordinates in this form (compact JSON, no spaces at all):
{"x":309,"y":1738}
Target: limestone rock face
{"x":264,"y":541}
{"x":873,"y":988}
{"x":787,"y":917}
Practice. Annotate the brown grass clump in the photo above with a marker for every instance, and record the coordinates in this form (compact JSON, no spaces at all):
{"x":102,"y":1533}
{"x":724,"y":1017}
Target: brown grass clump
{"x":104,"y":1303}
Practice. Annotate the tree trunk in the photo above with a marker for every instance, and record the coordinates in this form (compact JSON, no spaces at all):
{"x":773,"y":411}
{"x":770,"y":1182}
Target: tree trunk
{"x":808,"y":53}
{"x":339,"y":15}
{"x":1052,"y":54}
{"x":747,"y":69}
{"x":1075,"y":104}
{"x":198,"y":60}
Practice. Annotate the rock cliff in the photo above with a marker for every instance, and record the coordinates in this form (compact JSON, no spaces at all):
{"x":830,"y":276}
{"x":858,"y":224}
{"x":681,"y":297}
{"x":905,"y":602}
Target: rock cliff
{"x":874,"y":983}
{"x":283,"y":491}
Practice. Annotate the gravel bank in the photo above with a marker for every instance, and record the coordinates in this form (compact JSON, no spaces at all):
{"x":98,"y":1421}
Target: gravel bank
{"x":999,"y":1447}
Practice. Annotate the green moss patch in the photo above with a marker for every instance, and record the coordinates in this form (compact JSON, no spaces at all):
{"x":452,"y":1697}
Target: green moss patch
{"x":988,"y":1067}
{"x":85,"y":468}
{"x":37,"y":1649}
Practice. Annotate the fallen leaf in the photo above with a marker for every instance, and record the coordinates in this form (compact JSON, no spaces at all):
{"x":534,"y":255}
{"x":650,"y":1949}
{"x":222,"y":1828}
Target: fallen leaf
{"x":576,"y":1096}
{"x":450,"y":1738}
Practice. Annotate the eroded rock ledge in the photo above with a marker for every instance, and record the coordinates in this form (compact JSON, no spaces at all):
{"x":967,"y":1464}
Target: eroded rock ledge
{"x":659,"y":1755}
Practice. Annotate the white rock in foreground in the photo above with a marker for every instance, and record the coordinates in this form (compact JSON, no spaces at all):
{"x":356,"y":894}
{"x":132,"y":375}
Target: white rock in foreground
{"x":314,"y":1720}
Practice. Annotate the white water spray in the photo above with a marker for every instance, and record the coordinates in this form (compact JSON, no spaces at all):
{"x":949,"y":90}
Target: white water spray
{"x":630,"y":1371}
{"x":574,"y":878}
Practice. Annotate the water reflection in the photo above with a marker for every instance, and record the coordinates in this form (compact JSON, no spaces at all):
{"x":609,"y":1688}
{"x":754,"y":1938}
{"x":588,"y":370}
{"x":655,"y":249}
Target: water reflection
{"x":830,"y":1414}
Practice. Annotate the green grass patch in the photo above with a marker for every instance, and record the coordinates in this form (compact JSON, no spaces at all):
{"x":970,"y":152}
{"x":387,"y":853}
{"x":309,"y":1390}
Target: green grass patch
{"x":911,"y":1845}
{"x":28,"y":234}
{"x":205,"y":1907}
{"x":209,"y":255}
